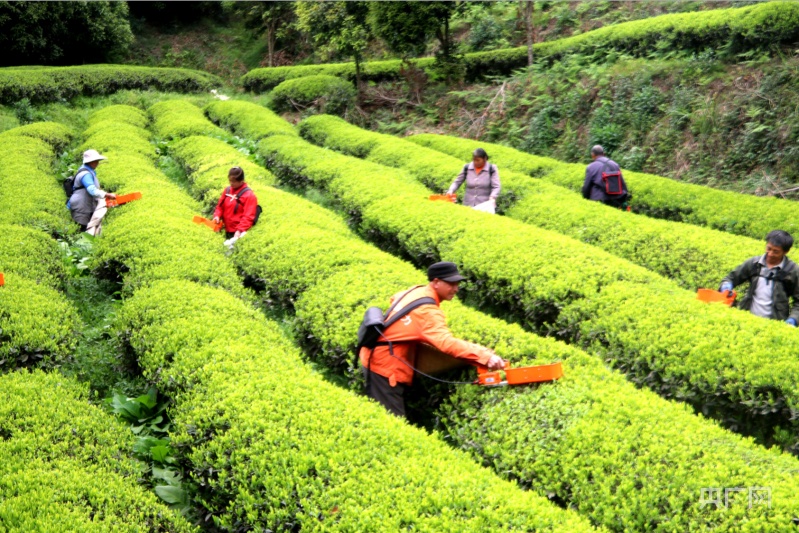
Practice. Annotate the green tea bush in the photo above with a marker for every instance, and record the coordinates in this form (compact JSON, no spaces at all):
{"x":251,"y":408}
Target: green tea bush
{"x":653,"y":461}
{"x":735,"y":30}
{"x":328,"y":94}
{"x":64,"y":463}
{"x":50,"y":84}
{"x":267,"y":452}
{"x":244,"y":118}
{"x":515,"y":266}
{"x":29,"y":193}
{"x":654,"y":196}
{"x":31,"y":254}
{"x":179,"y":118}
{"x":694,"y":257}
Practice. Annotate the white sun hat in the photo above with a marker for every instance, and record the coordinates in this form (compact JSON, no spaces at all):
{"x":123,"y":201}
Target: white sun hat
{"x":92,"y":155}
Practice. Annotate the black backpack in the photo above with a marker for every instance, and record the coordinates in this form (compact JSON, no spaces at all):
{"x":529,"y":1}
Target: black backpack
{"x":258,"y":208}
{"x":782,"y":277}
{"x":375,"y":322}
{"x":69,"y":183}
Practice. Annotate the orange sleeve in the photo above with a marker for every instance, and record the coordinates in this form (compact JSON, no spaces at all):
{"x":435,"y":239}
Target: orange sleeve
{"x":436,"y":333}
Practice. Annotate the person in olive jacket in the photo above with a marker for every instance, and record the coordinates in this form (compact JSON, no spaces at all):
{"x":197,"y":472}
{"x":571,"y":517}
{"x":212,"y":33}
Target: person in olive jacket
{"x":774,"y":280}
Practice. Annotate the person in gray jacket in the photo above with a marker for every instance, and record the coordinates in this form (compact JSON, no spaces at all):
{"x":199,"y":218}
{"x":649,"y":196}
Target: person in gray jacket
{"x":87,"y":203}
{"x":773,"y":281}
{"x":482,"y":181}
{"x":597,"y":174}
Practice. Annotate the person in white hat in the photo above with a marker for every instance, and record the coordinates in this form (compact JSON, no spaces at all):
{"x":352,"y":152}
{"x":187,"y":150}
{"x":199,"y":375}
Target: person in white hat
{"x":87,"y":203}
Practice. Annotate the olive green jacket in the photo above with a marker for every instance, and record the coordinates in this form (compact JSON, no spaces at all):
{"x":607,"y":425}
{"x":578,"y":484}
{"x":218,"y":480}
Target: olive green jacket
{"x":786,"y":286}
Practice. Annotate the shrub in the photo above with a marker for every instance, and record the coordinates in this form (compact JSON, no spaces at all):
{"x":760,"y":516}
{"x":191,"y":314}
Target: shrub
{"x":654,"y":196}
{"x":328,"y":94}
{"x":244,"y":118}
{"x":179,"y":118}
{"x":650,"y":467}
{"x":265,"y":452}
{"x":50,"y":84}
{"x":64,"y":464}
{"x":512,"y":267}
{"x":694,"y":257}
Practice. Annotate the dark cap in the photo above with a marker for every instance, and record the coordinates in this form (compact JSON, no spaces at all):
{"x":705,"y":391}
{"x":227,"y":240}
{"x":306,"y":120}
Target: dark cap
{"x":445,"y":272}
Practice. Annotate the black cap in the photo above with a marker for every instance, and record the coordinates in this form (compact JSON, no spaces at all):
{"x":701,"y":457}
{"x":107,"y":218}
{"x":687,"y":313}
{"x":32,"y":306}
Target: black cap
{"x":445,"y":272}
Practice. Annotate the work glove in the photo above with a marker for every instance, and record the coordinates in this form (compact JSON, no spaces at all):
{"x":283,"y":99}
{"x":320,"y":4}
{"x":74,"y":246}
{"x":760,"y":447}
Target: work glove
{"x":791,"y":321}
{"x":726,"y":286}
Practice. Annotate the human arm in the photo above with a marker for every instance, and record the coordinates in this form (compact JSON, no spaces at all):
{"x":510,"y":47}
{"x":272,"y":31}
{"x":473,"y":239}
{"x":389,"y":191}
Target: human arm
{"x":88,"y":183}
{"x":495,"y":184}
{"x":218,"y":209}
{"x":795,"y":307}
{"x":588,"y":183}
{"x":435,"y":332}
{"x":249,"y":205}
{"x":458,"y":181}
{"x":741,"y":274}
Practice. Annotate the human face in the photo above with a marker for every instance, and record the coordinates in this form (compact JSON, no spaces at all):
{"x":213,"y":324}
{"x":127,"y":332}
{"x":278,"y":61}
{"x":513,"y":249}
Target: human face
{"x":479,"y":162}
{"x":445,"y":290}
{"x":774,"y":254}
{"x":233,"y":181}
{"x":93,"y":164}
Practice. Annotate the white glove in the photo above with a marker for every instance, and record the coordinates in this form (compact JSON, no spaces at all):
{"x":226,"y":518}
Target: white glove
{"x":239,"y":235}
{"x":230,"y":242}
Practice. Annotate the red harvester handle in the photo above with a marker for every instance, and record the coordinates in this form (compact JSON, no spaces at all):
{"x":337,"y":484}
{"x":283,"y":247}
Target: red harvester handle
{"x":444,"y":198}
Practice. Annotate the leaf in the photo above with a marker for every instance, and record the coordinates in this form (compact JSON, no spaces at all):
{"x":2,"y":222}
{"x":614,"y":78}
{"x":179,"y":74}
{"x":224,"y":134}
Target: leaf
{"x":170,"y":494}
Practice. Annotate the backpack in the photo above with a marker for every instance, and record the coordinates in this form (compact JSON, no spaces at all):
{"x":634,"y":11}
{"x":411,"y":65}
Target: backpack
{"x":614,"y":182}
{"x":69,"y":183}
{"x":375,"y":322}
{"x":782,"y":276}
{"x":491,"y":169}
{"x":258,"y":208}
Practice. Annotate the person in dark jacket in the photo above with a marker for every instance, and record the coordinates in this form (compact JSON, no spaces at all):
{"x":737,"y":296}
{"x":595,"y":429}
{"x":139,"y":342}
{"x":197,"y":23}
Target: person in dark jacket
{"x":237,"y":207}
{"x":482,"y":181}
{"x":595,"y":186}
{"x":773,"y":278}
{"x":87,"y":203}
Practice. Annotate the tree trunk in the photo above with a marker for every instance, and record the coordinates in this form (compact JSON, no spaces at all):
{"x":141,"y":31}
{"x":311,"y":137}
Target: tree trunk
{"x":271,"y":37}
{"x":358,"y":77}
{"x":529,"y":9}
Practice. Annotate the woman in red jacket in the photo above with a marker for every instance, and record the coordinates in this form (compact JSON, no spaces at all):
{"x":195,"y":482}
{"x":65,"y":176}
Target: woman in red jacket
{"x":237,"y":206}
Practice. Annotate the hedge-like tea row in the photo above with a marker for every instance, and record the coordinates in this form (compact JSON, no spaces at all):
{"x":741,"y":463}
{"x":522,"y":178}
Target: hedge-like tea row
{"x":245,"y":118}
{"x":177,"y":118}
{"x":36,"y":321}
{"x":50,"y":84}
{"x":275,"y":453}
{"x":330,"y":93}
{"x":655,"y":196}
{"x":64,"y":463}
{"x":29,"y":193}
{"x":727,"y":363}
{"x":763,"y":25}
{"x":652,"y":462}
{"x":694,"y":257}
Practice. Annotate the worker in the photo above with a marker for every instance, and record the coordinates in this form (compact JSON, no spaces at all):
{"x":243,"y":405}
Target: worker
{"x":773,"y":280}
{"x":87,"y":202}
{"x":237,"y":207}
{"x":482,"y":182}
{"x":603,"y":180}
{"x":389,"y":374}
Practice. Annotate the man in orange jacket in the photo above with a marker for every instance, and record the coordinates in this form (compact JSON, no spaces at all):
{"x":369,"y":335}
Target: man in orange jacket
{"x":387,"y":375}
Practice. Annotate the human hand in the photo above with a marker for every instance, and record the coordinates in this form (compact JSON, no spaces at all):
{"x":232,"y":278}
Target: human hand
{"x":216,"y":220}
{"x":726,"y":286}
{"x":791,"y":321}
{"x":111,"y":195}
{"x":495,"y":363}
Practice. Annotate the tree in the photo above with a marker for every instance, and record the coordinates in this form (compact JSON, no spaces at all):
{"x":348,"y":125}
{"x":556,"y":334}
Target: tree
{"x":63,"y":33}
{"x":407,"y":27}
{"x":267,"y":16}
{"x":528,"y":8}
{"x":337,"y":28}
